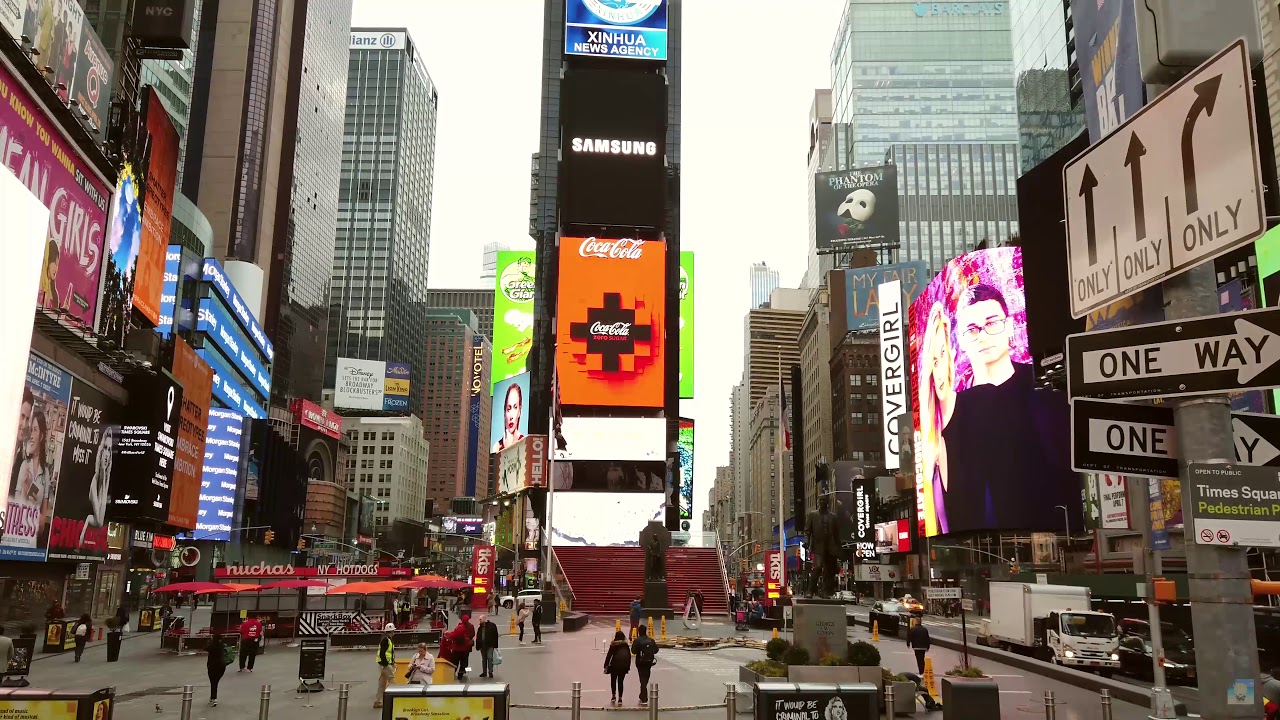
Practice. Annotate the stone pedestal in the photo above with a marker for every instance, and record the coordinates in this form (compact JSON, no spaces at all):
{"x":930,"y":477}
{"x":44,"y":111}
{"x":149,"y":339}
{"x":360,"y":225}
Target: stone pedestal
{"x":821,"y":629}
{"x":655,"y":600}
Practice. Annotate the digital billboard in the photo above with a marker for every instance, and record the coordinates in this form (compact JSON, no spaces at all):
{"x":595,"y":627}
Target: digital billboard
{"x":213,"y":274}
{"x":512,"y":314}
{"x":312,"y":416}
{"x":855,"y":508}
{"x":611,"y":322}
{"x":625,"y":476}
{"x":220,"y":473}
{"x":360,"y":384}
{"x":470,"y":526}
{"x":123,"y":231}
{"x":79,"y":528}
{"x":613,"y":167}
{"x":893,"y":536}
{"x":862,"y":294}
{"x":856,"y":208}
{"x":396,"y":388}
{"x":227,"y":388}
{"x":196,"y":378}
{"x":157,"y":206}
{"x":632,"y":29}
{"x":612,"y":438}
{"x":216,"y":323}
{"x":893,"y":368}
{"x":523,"y":465}
{"x":33,"y":479}
{"x":992,"y":450}
{"x":509,"y":423}
{"x":686,"y":324}
{"x":169,"y":289}
{"x":142,"y":471}
{"x":684,"y":446}
{"x":77,"y":200}
{"x":476,"y":392}
{"x":1267,"y":249}
{"x":603,"y":518}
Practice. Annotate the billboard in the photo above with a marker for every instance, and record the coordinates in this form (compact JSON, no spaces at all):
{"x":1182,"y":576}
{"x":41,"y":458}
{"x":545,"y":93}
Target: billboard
{"x":33,"y":479}
{"x":157,"y":207}
{"x":396,"y":387}
{"x":142,"y":473}
{"x":475,"y":396}
{"x":604,"y":518}
{"x":636,"y":29}
{"x":508,"y":423}
{"x":217,"y":277}
{"x":612,"y":438}
{"x":613,"y":168}
{"x":123,"y":235}
{"x":219,"y":475}
{"x":512,"y":314}
{"x":196,"y":378}
{"x":855,"y":499}
{"x":169,"y":289}
{"x":620,"y":476}
{"x":216,"y":323}
{"x":77,"y":201}
{"x":360,"y":384}
{"x":684,"y":446}
{"x":893,"y":369}
{"x":94,"y":73}
{"x":893,"y":536}
{"x":610,"y":323}
{"x":1106,"y":36}
{"x":862,"y":293}
{"x":483,"y":562}
{"x":163,"y":23}
{"x":992,"y":450}
{"x":310,"y":415}
{"x":686,"y":324}
{"x":227,"y":388}
{"x":856,"y":208}
{"x":470,"y":526}
{"x":523,"y":465}
{"x":79,"y":528}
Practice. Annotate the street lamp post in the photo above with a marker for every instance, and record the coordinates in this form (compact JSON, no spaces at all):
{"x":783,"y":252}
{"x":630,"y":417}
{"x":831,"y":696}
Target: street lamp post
{"x":1066,"y":543}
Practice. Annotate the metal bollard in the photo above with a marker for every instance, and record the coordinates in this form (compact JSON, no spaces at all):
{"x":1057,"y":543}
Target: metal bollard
{"x":344,"y":694}
{"x":1106,"y":704}
{"x":188,"y":691}
{"x":653,"y":701}
{"x":730,"y":701}
{"x":1050,"y":708}
{"x":264,"y":704}
{"x":888,"y":700}
{"x":575,"y":702}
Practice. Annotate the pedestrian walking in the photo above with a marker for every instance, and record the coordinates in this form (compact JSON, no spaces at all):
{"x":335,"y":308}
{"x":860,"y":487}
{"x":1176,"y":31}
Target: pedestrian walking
{"x":617,"y":663}
{"x":250,"y":638}
{"x":918,"y":640}
{"x":537,"y":622}
{"x":487,"y":644}
{"x":82,"y":631}
{"x":421,"y":666}
{"x":636,"y":607}
{"x":521,"y":616}
{"x":386,"y":662}
{"x":461,"y":640}
{"x":645,"y":649}
{"x":122,"y":618}
{"x":216,"y":664}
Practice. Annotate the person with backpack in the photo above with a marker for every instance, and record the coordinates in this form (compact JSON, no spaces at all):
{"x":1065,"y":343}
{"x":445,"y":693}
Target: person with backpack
{"x":82,"y":631}
{"x":617,"y":663}
{"x":461,"y":639}
{"x":636,"y":608}
{"x":220,"y":656}
{"x":645,"y":649}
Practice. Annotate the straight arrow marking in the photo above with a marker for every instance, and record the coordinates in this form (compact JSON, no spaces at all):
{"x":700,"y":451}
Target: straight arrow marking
{"x":1133,"y":160}
{"x":1087,"y":184}
{"x":1250,"y":351}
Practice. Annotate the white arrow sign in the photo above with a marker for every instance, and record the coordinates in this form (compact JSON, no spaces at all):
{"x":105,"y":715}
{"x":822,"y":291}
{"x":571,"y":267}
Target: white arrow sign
{"x":1250,"y":350}
{"x":1251,"y":448}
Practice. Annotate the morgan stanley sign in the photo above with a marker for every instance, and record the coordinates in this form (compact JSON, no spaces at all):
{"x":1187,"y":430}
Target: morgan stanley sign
{"x":893,"y":366}
{"x":616,"y":28}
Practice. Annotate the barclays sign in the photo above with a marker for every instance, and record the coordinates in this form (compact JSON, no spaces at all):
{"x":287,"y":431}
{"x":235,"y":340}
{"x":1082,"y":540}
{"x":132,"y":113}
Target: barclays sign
{"x":959,"y":9}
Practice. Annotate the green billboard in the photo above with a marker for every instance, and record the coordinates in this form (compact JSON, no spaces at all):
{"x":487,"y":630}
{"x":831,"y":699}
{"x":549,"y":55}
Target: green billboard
{"x":686,"y":324}
{"x":512,"y":314}
{"x":1267,"y":248}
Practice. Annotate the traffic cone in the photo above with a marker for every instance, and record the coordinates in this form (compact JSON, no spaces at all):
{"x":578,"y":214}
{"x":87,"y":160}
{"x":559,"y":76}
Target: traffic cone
{"x":633,"y":634}
{"x":617,"y":625}
{"x":512,"y":630}
{"x":650,"y":626}
{"x":775,"y":633}
{"x":563,"y":607}
{"x":875,"y":631}
{"x":929,"y":685}
{"x":664,"y":627}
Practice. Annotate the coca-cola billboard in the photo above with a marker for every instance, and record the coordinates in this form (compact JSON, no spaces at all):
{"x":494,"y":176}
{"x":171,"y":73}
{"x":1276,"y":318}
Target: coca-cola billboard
{"x":612,"y":322}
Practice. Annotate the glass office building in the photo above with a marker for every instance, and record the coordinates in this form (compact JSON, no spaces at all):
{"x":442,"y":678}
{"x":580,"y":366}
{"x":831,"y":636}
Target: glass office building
{"x":1048,"y":91}
{"x":378,"y":299}
{"x":905,"y":72}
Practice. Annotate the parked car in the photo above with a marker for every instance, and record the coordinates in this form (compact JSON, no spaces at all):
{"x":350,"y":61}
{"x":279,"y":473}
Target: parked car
{"x":847,"y":596}
{"x":525,"y":596}
{"x":1136,"y":652}
{"x":889,"y":607}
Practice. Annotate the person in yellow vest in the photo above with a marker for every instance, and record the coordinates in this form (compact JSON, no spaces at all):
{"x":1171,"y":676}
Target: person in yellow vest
{"x":386,"y":662}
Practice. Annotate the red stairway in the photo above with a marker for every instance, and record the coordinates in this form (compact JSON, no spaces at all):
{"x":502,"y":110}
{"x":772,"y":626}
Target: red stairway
{"x":606,"y":579}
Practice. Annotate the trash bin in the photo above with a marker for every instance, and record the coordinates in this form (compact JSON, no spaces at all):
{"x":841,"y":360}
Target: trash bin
{"x":855,"y":701}
{"x":401,"y":676}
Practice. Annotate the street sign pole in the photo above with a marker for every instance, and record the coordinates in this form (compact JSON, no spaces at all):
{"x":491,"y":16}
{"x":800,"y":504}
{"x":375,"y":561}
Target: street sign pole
{"x":1140,"y":515}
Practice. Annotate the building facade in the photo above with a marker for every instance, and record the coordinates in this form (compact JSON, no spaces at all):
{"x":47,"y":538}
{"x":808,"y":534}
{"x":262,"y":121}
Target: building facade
{"x":479,"y":302}
{"x":905,"y":72}
{"x":815,"y":391}
{"x":451,"y":336}
{"x":856,"y":431}
{"x":822,"y":158}
{"x":772,"y":347}
{"x":378,"y":293}
{"x":1049,"y":90}
{"x":770,"y":465}
{"x":763,"y":282}
{"x":740,"y":458}
{"x":489,"y":262}
{"x":391,"y":462}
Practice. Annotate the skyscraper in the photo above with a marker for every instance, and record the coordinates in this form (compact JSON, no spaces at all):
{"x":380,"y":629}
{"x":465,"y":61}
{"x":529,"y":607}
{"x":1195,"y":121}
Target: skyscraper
{"x":451,"y":337}
{"x":763,"y":282}
{"x":378,"y":296}
{"x":1049,"y":92}
{"x":822,"y":158}
{"x":489,"y":263}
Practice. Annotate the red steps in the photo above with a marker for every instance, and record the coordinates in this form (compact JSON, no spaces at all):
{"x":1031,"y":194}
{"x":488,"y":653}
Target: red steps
{"x":696,"y":569}
{"x":606,"y":579}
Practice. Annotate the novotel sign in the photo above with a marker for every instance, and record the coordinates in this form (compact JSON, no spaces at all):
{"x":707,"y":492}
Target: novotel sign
{"x":377,"y":40}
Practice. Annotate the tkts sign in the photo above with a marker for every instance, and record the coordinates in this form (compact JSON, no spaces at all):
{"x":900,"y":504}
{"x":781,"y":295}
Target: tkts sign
{"x":482,"y":565}
{"x":773,"y":575}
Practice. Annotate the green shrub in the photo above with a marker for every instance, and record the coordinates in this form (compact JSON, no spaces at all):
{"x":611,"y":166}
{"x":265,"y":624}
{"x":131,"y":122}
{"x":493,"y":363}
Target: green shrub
{"x":891,"y":676}
{"x":971,"y":672}
{"x":768,"y":668}
{"x":830,"y":660}
{"x":795,"y":656}
{"x":863,"y":654}
{"x":775,"y":647}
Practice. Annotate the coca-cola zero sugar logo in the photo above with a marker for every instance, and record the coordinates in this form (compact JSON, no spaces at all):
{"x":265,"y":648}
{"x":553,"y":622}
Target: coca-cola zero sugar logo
{"x":612,"y":332}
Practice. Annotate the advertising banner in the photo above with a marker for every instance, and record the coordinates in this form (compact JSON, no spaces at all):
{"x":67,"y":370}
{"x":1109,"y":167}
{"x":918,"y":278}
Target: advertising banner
{"x":79,"y":529}
{"x":219,"y":475}
{"x":1107,"y":47}
{"x":360,"y":384}
{"x":311,"y":415}
{"x":603,"y":519}
{"x":613,"y":438}
{"x":396,"y":387}
{"x":1113,"y":502}
{"x":142,"y":474}
{"x":862,"y":290}
{"x":773,"y":575}
{"x":56,"y":28}
{"x":611,"y":476}
{"x":1156,"y":508}
{"x":169,"y":289}
{"x":56,"y":174}
{"x":215,"y":275}
{"x":33,"y":479}
{"x":157,"y":206}
{"x":123,"y":232}
{"x":475,"y":396}
{"x":686,"y":324}
{"x":508,"y":424}
{"x":792,"y":702}
{"x":512,"y":315}
{"x":227,"y":387}
{"x":216,"y":323}
{"x":684,"y":446}
{"x":94,"y":73}
{"x":893,"y":536}
{"x":438,"y":705}
{"x":483,"y":562}
{"x":973,"y":385}
{"x":196,"y":378}
{"x":610,"y":324}
{"x":603,"y":28}
{"x":893,"y":368}
{"x":523,"y":465}
{"x":470,"y":526}
{"x":856,"y":208}
{"x":855,"y":499}
{"x":865,"y":572}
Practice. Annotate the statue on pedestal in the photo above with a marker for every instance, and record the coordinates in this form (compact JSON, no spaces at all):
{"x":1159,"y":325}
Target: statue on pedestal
{"x":655,"y":559}
{"x":823,"y":541}
{"x":654,"y":540}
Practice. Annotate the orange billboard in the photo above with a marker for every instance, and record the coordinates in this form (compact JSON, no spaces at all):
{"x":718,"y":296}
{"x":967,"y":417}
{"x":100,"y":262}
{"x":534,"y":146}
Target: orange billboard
{"x":157,"y":208}
{"x":611,"y":322}
{"x":188,"y":457}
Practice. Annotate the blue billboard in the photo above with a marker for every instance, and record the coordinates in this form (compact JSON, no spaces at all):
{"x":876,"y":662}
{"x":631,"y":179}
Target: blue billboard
{"x":396,"y":385}
{"x":213,"y":273}
{"x":220,"y":476}
{"x":225,"y":333}
{"x":169,"y":289}
{"x":227,"y":388}
{"x":1107,"y":45}
{"x":634,"y":29}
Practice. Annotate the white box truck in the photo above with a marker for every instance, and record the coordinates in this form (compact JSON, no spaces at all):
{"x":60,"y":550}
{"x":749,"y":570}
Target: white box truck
{"x":1055,"y":622}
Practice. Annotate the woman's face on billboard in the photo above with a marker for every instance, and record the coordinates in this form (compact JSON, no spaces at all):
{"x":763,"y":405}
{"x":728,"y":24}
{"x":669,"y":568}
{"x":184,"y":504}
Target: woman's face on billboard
{"x":942,"y":371}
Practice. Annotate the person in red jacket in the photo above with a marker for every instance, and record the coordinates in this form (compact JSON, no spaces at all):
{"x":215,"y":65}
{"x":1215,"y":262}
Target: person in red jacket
{"x":250,"y":639}
{"x":460,"y":639}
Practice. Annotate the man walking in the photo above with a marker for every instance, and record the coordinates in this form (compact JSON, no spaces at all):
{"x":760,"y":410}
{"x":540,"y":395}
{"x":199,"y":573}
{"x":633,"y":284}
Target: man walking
{"x":386,"y":662}
{"x":636,"y":607}
{"x":487,"y":644}
{"x":250,"y":636}
{"x":645,"y":649}
{"x":918,"y":640}
{"x":537,"y":622}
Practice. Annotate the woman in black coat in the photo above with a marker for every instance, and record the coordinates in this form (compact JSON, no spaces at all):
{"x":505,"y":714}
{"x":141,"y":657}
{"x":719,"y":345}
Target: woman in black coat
{"x":216,"y":664}
{"x":617,"y":663}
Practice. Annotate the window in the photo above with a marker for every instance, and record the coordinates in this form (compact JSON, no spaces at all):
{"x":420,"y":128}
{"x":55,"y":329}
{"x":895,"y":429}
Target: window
{"x":855,"y":396}
{"x":873,"y":418}
{"x":857,"y":418}
{"x":386,"y":450}
{"x":855,"y":380}
{"x":366,"y":450}
{"x":873,"y":380}
{"x":388,"y":436}
{"x":370,"y":436}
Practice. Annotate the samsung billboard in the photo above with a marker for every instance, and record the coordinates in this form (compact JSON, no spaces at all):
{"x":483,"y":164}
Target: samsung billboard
{"x":632,"y":29}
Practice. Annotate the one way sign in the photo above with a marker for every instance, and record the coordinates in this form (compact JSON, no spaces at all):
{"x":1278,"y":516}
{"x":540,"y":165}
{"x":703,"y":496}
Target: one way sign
{"x":1218,"y":353}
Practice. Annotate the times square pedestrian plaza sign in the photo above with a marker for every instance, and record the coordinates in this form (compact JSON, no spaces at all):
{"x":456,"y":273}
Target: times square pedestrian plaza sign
{"x":632,"y":29}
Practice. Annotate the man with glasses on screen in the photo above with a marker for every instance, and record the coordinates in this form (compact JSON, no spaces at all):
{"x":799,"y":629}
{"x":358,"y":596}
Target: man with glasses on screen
{"x":1005,"y":441}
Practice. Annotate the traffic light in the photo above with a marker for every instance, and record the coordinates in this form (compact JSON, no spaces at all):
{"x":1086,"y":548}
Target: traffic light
{"x":1013,"y":567}
{"x":302,"y":544}
{"x":269,"y":536}
{"x":757,"y":547}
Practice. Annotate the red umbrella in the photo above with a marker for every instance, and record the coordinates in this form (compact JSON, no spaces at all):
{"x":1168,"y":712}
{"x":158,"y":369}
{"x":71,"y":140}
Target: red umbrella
{"x":201,"y":588}
{"x":436,"y":584}
{"x":292,"y":584}
{"x":368,"y":588}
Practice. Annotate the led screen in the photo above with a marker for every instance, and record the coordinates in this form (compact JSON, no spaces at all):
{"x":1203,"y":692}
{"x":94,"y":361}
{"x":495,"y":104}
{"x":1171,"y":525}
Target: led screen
{"x":686,"y":324}
{"x":594,"y":438}
{"x":684,"y":445}
{"x":610,"y":324}
{"x":634,"y":29}
{"x":220,"y":475}
{"x":603,"y":518}
{"x":509,"y":422}
{"x":611,"y":476}
{"x":991,"y":449}
{"x":893,"y":536}
{"x":512,"y":313}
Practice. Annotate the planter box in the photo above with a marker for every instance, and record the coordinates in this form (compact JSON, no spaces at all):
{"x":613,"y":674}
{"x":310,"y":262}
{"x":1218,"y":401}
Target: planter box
{"x":751,"y":677}
{"x":904,"y":698}
{"x":828,"y":674}
{"x":970,"y":698}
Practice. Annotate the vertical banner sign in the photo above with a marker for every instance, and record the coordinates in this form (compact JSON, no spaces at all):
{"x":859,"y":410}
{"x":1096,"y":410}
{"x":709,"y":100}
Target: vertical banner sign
{"x":1107,"y":43}
{"x":893,"y":367}
{"x":396,"y":387}
{"x":773,"y":576}
{"x":512,"y":314}
{"x":476,"y":394}
{"x":1113,"y":502}
{"x":188,"y":463}
{"x":482,"y":566}
{"x":123,"y":238}
{"x":142,"y":473}
{"x":169,"y":289}
{"x":157,"y":208}
{"x":864,"y":520}
{"x":684,"y":446}
{"x":686,"y":324}
{"x":1159,"y":534}
{"x":220,"y":474}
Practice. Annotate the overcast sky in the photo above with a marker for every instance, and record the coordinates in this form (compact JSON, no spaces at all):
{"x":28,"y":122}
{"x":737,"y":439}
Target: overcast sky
{"x":749,"y":77}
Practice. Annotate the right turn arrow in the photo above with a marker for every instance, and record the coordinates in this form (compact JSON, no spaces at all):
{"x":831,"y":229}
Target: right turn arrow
{"x":1206,"y":97}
